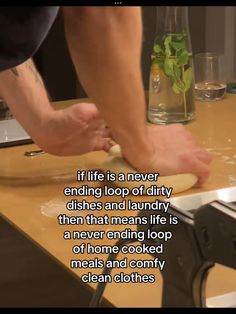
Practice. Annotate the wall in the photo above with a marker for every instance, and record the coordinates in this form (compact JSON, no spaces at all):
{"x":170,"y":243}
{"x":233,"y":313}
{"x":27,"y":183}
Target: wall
{"x":220,"y":36}
{"x":197,"y":25}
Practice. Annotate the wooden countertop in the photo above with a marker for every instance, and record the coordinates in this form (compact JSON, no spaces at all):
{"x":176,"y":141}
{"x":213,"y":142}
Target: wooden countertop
{"x":31,"y":185}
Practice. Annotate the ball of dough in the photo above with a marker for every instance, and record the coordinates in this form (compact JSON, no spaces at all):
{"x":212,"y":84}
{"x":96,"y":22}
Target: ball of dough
{"x":115,"y":163}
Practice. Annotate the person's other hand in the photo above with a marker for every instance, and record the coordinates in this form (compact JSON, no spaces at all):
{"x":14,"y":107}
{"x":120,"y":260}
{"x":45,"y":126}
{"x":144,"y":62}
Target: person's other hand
{"x":75,"y":130}
{"x":172,"y":150}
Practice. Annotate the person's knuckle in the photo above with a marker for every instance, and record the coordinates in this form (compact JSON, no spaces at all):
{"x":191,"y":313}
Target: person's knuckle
{"x":185,"y":157}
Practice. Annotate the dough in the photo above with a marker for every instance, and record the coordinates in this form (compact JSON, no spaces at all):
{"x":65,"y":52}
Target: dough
{"x":116,"y":164}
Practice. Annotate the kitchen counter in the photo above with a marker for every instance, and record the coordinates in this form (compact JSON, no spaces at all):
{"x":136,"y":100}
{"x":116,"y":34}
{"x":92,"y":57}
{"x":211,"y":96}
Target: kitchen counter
{"x":33,"y":186}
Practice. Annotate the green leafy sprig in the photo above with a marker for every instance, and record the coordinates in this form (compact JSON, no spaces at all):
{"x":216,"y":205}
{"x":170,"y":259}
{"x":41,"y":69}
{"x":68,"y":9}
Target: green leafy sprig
{"x":173,"y":57}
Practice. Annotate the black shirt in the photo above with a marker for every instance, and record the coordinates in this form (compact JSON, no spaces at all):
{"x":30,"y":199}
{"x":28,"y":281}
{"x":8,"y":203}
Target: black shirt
{"x":22,"y":31}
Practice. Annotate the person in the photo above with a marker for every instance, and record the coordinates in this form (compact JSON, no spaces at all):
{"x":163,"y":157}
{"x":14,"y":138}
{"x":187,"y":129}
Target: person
{"x":105,"y":47}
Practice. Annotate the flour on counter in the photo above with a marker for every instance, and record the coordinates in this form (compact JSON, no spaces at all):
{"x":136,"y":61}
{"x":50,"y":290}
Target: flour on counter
{"x":53,"y":208}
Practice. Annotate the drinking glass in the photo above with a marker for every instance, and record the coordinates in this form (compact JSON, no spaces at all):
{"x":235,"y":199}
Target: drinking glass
{"x":210,"y":82}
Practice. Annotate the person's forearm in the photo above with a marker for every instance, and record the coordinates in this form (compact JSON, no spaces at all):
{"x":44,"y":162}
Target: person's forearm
{"x":23,"y":90}
{"x":105,"y":44}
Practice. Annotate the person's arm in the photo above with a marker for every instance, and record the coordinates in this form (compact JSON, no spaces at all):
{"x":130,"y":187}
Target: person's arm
{"x":105,"y":45}
{"x":71,"y":131}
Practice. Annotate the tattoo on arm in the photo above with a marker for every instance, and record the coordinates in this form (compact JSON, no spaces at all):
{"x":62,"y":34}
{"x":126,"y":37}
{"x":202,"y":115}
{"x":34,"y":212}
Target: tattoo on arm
{"x":31,"y":67}
{"x":34,"y":71}
{"x":15,"y":72}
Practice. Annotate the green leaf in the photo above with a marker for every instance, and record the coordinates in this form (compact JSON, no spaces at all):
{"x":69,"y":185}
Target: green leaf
{"x":161,"y":64}
{"x":182,"y":58}
{"x":168,"y":67}
{"x":176,"y":88}
{"x":181,"y":36}
{"x":172,"y":59}
{"x":178,"y":45}
{"x":167,"y":45}
{"x":187,"y":78}
{"x":157,"y":49}
{"x":176,"y":72}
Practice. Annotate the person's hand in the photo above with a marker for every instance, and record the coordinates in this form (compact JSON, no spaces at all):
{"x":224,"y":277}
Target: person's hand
{"x":172,"y":150}
{"x":73,"y":131}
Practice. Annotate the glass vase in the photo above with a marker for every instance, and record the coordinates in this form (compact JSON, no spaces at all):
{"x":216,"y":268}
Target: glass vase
{"x":171,"y":85}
